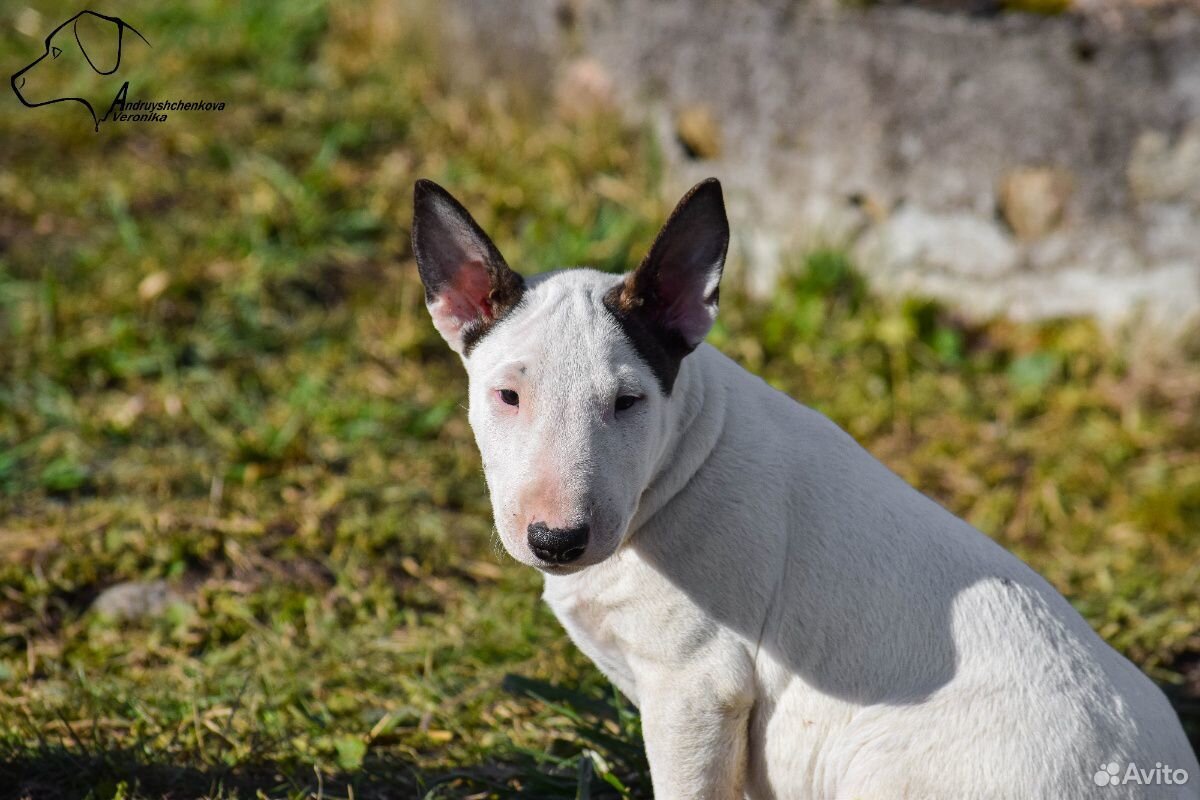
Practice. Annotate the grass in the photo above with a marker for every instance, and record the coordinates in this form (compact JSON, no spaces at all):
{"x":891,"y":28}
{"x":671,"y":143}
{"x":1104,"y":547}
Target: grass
{"x":216,"y":371}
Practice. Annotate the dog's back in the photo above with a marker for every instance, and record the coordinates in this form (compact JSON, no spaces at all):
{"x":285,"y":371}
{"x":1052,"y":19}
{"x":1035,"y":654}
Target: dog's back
{"x":900,"y":652}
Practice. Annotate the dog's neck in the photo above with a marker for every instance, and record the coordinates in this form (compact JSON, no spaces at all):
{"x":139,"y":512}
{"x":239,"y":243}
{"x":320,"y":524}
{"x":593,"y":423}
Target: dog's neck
{"x":700,"y":404}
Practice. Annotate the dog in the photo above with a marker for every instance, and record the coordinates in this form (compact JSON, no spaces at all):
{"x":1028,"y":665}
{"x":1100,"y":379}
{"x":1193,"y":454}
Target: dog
{"x":791,"y":618}
{"x":88,"y":44}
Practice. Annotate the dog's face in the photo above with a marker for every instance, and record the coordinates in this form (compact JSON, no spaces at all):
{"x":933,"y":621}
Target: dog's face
{"x":80,"y":56}
{"x":571,"y":373}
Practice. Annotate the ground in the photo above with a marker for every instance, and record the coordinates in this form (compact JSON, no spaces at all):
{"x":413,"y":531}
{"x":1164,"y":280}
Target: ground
{"x":216,"y":371}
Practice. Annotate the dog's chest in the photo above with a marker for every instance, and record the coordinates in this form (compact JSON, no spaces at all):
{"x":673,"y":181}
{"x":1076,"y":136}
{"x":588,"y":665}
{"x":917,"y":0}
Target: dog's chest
{"x":604,"y":610}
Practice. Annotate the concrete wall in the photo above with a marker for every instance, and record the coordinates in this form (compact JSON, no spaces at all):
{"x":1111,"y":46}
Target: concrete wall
{"x":1010,"y":164}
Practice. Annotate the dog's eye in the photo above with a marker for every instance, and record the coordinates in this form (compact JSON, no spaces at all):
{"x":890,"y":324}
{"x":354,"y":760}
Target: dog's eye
{"x":626,"y":401}
{"x":509,"y":397}
{"x":56,"y":51}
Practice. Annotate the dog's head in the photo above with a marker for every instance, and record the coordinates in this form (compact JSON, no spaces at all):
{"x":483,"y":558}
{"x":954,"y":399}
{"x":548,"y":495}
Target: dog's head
{"x":571,"y":373}
{"x":81,"y":56}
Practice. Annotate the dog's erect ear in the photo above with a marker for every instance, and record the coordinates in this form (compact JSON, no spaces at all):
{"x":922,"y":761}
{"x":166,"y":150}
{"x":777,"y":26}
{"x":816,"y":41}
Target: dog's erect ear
{"x":668,"y":304}
{"x":100,"y":41}
{"x":468,"y":285}
{"x":677,"y":284}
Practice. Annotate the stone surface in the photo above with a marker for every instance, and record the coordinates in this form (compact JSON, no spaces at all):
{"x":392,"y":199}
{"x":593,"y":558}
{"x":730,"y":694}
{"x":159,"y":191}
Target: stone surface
{"x":937,"y":145}
{"x":956,"y":243}
{"x":135,"y":600}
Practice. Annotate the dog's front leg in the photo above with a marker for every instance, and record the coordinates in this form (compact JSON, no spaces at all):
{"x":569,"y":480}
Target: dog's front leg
{"x":695,"y":730}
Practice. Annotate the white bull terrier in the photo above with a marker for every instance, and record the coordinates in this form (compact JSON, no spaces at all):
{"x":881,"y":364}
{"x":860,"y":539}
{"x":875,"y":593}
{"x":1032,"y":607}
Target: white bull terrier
{"x":792,"y":619}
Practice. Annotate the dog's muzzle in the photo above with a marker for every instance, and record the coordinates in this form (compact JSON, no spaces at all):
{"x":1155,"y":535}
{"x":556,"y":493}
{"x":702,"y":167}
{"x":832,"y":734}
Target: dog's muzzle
{"x":557,"y":545}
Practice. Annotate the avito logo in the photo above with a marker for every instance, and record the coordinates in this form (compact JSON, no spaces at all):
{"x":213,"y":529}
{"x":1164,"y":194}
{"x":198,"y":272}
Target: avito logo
{"x":1111,"y":774}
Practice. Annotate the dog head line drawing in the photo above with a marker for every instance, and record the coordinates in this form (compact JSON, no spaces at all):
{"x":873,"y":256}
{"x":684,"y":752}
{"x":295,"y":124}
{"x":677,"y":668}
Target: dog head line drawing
{"x":570,"y":372}
{"x":87,"y":41}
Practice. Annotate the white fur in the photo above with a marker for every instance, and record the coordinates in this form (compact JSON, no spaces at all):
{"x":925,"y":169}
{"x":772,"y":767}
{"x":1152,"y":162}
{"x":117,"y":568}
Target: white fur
{"x":792,"y":619}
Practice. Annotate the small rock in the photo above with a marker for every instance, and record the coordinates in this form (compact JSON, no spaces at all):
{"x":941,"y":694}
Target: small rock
{"x":153,"y":285}
{"x":135,"y":600}
{"x":1033,"y":200}
{"x":698,"y":132}
{"x":873,"y":206}
{"x":1164,"y":172}
{"x":123,"y":414}
{"x":584,"y":90}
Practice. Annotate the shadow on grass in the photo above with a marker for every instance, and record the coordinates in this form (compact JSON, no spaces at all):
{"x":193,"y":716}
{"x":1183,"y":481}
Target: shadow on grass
{"x":57,"y":773}
{"x":601,"y":757}
{"x":1186,"y":701}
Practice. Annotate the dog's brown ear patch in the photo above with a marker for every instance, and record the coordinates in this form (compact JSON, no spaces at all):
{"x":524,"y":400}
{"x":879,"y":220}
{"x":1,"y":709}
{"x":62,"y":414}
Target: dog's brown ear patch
{"x":468,"y":285}
{"x":668,"y":304}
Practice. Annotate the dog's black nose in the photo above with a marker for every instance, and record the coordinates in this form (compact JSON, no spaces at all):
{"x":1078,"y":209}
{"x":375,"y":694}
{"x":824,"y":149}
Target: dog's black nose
{"x":557,"y":545}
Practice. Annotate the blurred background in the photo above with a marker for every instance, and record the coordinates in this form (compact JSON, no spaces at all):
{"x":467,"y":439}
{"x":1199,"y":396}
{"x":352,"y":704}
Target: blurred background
{"x":245,"y":543}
